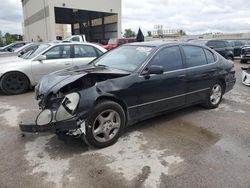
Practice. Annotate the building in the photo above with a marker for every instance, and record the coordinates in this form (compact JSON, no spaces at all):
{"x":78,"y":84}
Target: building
{"x":61,"y":31}
{"x":97,"y":19}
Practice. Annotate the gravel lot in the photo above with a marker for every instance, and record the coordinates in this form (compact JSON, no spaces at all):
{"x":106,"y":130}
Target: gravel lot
{"x":192,"y":147}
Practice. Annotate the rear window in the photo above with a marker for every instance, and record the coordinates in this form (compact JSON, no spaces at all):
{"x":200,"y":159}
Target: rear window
{"x":210,"y":56}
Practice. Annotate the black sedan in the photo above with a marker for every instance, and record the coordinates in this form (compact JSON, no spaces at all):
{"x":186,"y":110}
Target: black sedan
{"x":129,"y":84}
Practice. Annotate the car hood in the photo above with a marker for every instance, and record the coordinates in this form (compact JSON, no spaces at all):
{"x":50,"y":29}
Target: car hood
{"x":55,"y":81}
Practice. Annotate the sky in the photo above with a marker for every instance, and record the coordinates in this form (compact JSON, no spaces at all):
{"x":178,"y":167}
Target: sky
{"x":192,"y":16}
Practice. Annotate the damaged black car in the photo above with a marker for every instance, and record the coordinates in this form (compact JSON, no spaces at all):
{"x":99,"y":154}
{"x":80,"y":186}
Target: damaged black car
{"x":129,"y":84}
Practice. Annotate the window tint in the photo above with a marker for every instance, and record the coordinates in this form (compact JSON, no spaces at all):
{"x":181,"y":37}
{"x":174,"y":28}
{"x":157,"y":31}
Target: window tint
{"x":195,"y":56}
{"x":75,"y":39}
{"x":58,"y":52}
{"x":84,"y":51}
{"x":210,"y":56}
{"x":169,"y":58}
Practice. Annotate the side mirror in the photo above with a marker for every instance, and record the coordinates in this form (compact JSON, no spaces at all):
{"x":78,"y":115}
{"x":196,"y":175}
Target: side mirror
{"x":153,"y":69}
{"x":41,"y":58}
{"x":212,"y":47}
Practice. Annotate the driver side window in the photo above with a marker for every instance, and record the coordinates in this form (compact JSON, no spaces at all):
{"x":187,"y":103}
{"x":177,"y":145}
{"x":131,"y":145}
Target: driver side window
{"x":169,"y":58}
{"x":58,"y":52}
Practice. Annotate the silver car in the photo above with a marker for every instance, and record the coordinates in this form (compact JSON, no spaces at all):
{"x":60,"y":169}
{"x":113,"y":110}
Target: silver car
{"x":18,"y":74}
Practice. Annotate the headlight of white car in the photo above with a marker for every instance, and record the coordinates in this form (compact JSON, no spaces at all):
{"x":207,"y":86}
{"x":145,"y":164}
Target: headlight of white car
{"x":68,"y":106}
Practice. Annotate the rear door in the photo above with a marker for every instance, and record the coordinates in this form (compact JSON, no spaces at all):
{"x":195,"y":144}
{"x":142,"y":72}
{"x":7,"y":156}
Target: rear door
{"x":201,"y":71}
{"x":165,"y":91}
{"x":83,"y":54}
{"x":57,"y":58}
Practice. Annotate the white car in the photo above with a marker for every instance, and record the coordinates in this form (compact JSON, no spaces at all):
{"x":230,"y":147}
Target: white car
{"x":20,"y":73}
{"x":246,"y":76}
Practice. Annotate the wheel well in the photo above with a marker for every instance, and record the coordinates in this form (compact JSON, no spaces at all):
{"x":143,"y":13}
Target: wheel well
{"x":222,"y":81}
{"x":120,"y":102}
{"x":16,"y":72}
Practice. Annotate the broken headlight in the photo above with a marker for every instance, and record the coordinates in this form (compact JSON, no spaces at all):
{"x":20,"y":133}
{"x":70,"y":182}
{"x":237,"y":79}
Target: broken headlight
{"x":68,"y":106}
{"x":44,"y":118}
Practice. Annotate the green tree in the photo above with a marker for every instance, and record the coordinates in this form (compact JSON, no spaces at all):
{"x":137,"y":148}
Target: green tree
{"x":9,"y":38}
{"x":129,"y":33}
{"x":149,"y":33}
{"x":1,"y":42}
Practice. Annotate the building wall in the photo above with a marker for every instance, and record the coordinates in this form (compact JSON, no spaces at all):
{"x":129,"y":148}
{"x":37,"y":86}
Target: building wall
{"x":39,"y":15}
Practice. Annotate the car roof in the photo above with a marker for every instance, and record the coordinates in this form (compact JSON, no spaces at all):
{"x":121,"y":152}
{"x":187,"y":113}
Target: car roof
{"x":162,"y":43}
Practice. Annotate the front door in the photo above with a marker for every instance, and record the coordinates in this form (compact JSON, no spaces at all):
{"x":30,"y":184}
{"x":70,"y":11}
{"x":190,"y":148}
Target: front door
{"x":57,"y":58}
{"x":158,"y":93}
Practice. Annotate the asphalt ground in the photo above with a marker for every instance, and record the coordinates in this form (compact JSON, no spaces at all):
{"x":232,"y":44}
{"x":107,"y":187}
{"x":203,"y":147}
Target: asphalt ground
{"x":193,"y":147}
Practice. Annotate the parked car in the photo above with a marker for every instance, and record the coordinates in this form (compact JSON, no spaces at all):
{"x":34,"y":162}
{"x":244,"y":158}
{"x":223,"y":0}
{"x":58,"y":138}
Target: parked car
{"x":20,"y":51}
{"x":245,"y":54}
{"x":13,"y":46}
{"x":237,"y":45}
{"x":115,"y":42}
{"x":223,"y":47}
{"x":76,"y":38}
{"x":129,"y":84}
{"x":16,"y":76}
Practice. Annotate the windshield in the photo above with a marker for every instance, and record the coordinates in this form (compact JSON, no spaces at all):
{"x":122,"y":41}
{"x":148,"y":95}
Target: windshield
{"x":128,"y":58}
{"x":112,"y":42}
{"x":33,"y":53}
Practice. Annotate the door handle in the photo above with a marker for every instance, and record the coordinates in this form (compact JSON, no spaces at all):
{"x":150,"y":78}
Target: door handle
{"x":66,"y":63}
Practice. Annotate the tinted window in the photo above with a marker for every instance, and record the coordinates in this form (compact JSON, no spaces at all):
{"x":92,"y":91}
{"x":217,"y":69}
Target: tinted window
{"x":195,"y":56}
{"x":169,"y":59}
{"x":84,"y":51}
{"x":58,"y":52}
{"x":210,"y":56}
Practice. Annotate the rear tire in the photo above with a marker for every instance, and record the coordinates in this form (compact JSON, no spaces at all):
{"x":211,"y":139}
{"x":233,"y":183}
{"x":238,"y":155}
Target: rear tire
{"x":214,"y":96}
{"x":13,"y":83}
{"x":105,"y":124}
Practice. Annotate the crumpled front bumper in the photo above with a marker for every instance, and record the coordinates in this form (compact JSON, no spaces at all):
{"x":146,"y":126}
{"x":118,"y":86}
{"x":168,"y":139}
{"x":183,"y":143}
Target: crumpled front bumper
{"x":246,"y":77}
{"x":54,"y":127}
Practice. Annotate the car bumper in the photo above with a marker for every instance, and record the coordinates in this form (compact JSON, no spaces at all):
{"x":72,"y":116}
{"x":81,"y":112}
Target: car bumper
{"x":62,"y":126}
{"x":246,"y":78}
{"x":230,"y":85}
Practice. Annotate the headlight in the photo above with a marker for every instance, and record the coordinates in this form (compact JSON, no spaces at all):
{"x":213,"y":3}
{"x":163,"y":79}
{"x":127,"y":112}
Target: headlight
{"x":44,"y":118}
{"x":68,"y":106}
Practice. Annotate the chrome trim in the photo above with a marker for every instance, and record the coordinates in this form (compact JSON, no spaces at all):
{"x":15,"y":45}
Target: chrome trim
{"x":156,"y":101}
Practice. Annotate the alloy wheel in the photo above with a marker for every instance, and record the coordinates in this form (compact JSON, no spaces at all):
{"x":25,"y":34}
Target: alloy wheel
{"x":106,"y":125}
{"x":216,"y":94}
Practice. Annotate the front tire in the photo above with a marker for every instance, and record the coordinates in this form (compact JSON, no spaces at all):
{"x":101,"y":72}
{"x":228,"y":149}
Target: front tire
{"x":13,"y":83}
{"x":105,"y":124}
{"x":214,"y":96}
